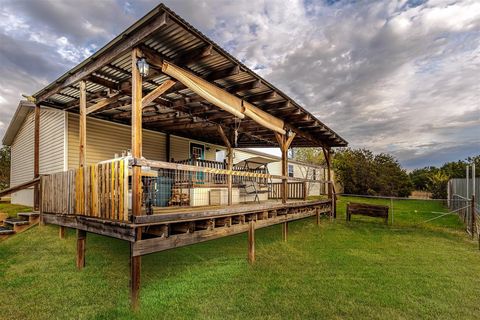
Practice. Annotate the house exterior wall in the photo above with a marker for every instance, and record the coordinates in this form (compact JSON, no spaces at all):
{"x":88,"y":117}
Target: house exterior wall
{"x":52,"y":147}
{"x":105,"y":139}
{"x":59,"y":139}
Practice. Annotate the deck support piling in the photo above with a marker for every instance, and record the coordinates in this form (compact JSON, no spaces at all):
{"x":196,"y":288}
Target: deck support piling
{"x":135,"y":265}
{"x":61,"y":232}
{"x":251,"y":242}
{"x":81,"y":242}
{"x":317,"y":216}
{"x":285,"y":231}
{"x":135,"y":261}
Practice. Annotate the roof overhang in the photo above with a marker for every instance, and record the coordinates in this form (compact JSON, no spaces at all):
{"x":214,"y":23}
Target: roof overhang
{"x":164,"y":36}
{"x":24,"y":107}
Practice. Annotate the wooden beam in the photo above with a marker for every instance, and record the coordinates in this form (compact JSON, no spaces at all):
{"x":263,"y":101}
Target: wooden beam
{"x":251,"y":242}
{"x":36,"y":158}
{"x":244,"y":86}
{"x":157,"y":92}
{"x":224,"y":136}
{"x":103,"y":103}
{"x":81,"y":241}
{"x":225,"y":73}
{"x":285,"y":231}
{"x":331,"y":186}
{"x":106,"y":228}
{"x":61,"y":232}
{"x":282,"y":143}
{"x":194,"y":56}
{"x":262,"y":96}
{"x":289,"y":140}
{"x":104,"y":82}
{"x":19,"y":187}
{"x":135,"y":274}
{"x":136,"y":132}
{"x":152,"y":245}
{"x":81,"y":234}
{"x":107,"y":54}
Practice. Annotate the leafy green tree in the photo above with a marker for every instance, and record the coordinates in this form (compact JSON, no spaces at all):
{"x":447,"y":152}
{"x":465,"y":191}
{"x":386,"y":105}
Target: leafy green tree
{"x":310,"y":155}
{"x":437,"y":184}
{"x":4,"y":167}
{"x":420,"y":177}
{"x":362,"y":172}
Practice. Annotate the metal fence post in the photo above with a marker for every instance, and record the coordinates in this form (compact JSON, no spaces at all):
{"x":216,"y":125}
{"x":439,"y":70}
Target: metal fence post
{"x":472,"y":220}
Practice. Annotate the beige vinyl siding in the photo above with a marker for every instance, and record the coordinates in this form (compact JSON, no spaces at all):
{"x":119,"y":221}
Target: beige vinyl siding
{"x":105,"y":139}
{"x":51,"y":151}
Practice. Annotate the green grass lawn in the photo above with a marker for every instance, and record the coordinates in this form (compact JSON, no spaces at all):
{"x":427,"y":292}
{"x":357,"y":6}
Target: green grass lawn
{"x":13,"y":209}
{"x":357,"y":270}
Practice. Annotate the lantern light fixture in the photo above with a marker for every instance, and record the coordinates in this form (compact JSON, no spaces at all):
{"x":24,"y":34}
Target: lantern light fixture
{"x":143,"y":67}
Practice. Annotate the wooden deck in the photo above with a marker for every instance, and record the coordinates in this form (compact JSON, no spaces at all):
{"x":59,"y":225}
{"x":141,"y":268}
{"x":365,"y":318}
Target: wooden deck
{"x":177,"y":227}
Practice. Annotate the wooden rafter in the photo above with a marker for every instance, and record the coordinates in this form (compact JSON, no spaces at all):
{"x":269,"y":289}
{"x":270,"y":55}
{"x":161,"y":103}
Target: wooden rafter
{"x":157,"y":92}
{"x":104,"y":103}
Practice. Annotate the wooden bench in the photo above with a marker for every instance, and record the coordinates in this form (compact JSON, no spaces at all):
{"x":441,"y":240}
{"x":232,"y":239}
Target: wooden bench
{"x":371,"y":210}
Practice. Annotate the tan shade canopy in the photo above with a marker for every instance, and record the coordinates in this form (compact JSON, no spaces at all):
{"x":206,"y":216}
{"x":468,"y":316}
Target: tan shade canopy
{"x":223,"y":99}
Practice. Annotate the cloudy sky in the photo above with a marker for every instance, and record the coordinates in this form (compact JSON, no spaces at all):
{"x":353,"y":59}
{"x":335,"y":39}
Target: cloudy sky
{"x":393,"y":76}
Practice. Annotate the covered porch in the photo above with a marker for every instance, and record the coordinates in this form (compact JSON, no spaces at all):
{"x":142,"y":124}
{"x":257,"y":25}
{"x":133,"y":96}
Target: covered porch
{"x":164,"y":75}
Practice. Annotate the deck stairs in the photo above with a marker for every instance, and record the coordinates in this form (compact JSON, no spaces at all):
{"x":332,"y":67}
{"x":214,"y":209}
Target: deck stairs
{"x":23,"y":221}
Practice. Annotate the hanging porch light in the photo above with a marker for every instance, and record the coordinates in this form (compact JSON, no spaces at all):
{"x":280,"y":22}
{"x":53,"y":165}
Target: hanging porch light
{"x":143,"y":67}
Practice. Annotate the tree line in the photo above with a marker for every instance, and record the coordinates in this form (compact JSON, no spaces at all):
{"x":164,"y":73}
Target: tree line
{"x":362,"y":172}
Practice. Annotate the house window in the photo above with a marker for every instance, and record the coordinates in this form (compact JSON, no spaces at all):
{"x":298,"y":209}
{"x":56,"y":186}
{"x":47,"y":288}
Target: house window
{"x":314,"y":173}
{"x":220,"y":155}
{"x":290,"y":170}
{"x":197,"y":151}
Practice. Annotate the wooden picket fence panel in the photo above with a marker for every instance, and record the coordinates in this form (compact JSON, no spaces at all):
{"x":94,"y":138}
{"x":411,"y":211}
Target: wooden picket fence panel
{"x":99,"y":190}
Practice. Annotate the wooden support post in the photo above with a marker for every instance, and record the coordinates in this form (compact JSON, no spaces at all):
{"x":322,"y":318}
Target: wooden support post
{"x":227,"y":143}
{"x":81,"y":241}
{"x":331,"y":188}
{"x":83,"y":125}
{"x":135,"y":265}
{"x":36,"y":159}
{"x":61,"y":232}
{"x":251,"y":242}
{"x":229,"y":177}
{"x":285,"y":231}
{"x":81,"y":164}
{"x":135,"y":262}
{"x":284,"y":173}
{"x":284,"y":143}
{"x":317,"y":214}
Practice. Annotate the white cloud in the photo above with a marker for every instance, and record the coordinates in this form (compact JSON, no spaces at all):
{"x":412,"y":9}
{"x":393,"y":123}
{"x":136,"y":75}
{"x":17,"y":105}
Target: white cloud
{"x":396,"y":76}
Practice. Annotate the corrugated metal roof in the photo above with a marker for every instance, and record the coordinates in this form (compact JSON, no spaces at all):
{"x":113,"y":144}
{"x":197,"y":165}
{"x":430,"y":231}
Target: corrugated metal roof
{"x":172,"y":42}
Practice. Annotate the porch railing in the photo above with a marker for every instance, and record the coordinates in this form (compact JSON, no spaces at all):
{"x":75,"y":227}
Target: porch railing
{"x":104,"y":190}
{"x":296,"y":190}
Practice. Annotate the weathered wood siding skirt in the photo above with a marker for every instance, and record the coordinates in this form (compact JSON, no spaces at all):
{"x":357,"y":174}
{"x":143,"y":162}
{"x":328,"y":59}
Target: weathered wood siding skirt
{"x":99,"y":191}
{"x":52,"y":146}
